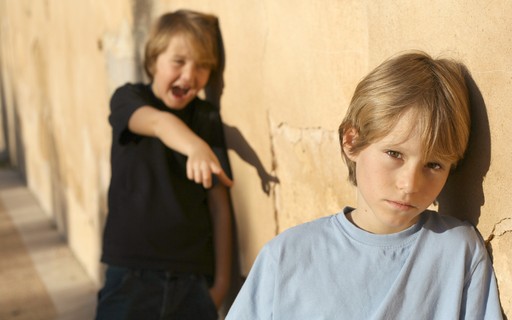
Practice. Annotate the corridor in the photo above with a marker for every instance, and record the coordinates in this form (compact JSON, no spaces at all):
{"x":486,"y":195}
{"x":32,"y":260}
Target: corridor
{"x":40,"y":278}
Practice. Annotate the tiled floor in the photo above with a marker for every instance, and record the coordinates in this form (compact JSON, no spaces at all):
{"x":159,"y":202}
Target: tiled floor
{"x":39,"y":276}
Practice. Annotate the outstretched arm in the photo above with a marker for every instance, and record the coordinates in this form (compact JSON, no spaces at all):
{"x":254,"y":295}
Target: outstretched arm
{"x":175,"y":134}
{"x":218,"y":202}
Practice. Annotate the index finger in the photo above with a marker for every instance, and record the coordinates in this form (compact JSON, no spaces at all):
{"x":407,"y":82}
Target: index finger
{"x":224,"y":179}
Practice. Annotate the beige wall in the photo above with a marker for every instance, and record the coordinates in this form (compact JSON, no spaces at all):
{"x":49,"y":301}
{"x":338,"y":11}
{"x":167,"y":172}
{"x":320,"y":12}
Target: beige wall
{"x":291,"y":67}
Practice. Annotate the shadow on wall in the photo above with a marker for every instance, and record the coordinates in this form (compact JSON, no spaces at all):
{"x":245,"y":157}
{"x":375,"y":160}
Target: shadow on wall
{"x":463,"y":195}
{"x":4,"y":154}
{"x":235,"y":141}
{"x":234,"y":138}
{"x":14,"y":153}
{"x":141,"y":20}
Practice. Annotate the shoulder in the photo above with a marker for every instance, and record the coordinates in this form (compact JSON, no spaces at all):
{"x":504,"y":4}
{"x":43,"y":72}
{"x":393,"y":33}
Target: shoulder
{"x":451,"y":231}
{"x":128,"y":88}
{"x":442,"y":224}
{"x":310,"y":229}
{"x":303,"y":236}
{"x":131,"y":93}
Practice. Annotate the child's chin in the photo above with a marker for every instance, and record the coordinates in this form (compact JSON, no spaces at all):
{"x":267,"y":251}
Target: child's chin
{"x":177,"y":104}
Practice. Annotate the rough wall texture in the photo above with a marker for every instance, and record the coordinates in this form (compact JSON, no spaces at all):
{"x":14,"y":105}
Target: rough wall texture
{"x":291,"y":67}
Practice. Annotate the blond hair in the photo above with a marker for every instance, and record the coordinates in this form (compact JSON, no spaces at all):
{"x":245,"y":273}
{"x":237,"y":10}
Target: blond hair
{"x":434,"y":89}
{"x":200,"y":30}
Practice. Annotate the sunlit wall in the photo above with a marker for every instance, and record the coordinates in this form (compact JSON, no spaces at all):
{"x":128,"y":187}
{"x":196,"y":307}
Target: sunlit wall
{"x":290,"y":70}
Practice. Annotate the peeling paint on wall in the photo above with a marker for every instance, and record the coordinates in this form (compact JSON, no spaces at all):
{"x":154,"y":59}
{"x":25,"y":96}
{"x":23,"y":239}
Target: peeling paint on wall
{"x":310,"y":171}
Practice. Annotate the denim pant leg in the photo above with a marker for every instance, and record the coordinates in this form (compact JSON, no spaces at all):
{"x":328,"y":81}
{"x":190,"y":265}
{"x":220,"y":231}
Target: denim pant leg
{"x":147,"y":294}
{"x":188,"y":298}
{"x":126,"y":296}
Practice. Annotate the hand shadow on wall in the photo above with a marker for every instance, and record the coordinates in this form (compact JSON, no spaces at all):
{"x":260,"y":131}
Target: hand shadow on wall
{"x":234,"y":139}
{"x":463,"y":195}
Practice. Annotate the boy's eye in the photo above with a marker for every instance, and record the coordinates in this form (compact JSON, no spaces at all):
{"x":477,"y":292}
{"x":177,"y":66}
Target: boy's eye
{"x":434,"y":165}
{"x":394,"y":154}
{"x":203,"y":66}
{"x":178,"y":61}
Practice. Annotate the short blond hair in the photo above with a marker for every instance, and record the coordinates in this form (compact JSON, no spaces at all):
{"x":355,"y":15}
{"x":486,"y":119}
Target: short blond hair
{"x":200,"y":30}
{"x":435,"y":89}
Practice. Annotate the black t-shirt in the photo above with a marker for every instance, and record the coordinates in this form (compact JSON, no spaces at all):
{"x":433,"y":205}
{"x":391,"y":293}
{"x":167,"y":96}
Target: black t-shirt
{"x":158,"y":218}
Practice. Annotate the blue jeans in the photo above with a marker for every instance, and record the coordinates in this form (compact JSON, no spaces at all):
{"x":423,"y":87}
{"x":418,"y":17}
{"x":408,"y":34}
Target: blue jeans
{"x":149,"y":294}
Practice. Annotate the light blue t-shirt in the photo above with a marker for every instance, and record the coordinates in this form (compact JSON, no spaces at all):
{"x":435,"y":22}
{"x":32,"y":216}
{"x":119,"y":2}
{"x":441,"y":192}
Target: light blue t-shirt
{"x":330,"y":269}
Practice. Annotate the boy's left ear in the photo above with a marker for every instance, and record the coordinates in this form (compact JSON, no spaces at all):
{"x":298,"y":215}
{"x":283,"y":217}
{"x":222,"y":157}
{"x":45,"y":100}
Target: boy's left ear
{"x":349,"y":139}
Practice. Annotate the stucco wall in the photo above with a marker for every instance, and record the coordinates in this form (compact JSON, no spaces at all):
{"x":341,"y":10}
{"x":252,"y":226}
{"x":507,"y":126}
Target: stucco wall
{"x":291,"y":68}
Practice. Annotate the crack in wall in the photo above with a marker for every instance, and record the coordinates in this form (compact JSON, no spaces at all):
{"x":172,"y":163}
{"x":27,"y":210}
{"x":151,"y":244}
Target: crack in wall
{"x":501,"y":228}
{"x":296,"y":135}
{"x":273,"y":170}
{"x":302,"y":138}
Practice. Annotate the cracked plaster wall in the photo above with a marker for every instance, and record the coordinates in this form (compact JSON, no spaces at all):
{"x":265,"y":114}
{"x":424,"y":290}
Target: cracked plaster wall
{"x":291,"y":68}
{"x":311,"y":175}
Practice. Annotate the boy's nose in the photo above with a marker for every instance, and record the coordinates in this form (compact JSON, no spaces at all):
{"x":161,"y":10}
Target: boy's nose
{"x":188,"y":72}
{"x":409,"y":179}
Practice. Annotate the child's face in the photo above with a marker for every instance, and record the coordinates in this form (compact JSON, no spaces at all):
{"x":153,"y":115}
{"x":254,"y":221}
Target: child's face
{"x":394,"y":184}
{"x":178,"y":77}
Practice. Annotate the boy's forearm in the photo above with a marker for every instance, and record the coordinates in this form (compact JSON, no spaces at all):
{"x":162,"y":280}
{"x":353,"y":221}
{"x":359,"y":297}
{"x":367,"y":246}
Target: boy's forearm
{"x":176,"y":135}
{"x":222,"y":235}
{"x":165,"y":126}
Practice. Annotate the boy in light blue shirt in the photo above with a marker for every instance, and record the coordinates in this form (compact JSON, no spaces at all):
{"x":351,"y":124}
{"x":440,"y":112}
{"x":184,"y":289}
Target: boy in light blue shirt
{"x":406,"y":128}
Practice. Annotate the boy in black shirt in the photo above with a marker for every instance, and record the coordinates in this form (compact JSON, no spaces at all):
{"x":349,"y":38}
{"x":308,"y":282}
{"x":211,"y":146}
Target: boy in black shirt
{"x":168,"y":230}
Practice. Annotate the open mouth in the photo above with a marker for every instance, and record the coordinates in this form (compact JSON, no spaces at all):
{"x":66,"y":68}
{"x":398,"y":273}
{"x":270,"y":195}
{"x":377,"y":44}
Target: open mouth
{"x":179,"y":92}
